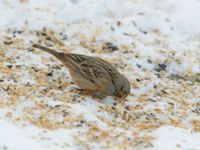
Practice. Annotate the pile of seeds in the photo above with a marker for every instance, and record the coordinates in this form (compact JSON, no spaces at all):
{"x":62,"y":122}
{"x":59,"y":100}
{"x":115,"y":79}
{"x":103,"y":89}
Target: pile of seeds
{"x":36,"y":89}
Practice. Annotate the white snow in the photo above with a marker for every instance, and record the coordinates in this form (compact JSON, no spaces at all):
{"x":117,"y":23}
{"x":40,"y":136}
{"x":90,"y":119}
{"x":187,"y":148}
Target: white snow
{"x":169,"y":138}
{"x":14,"y":138}
{"x":17,"y":138}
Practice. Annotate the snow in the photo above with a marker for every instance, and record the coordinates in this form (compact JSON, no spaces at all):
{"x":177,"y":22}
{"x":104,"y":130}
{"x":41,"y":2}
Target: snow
{"x":153,"y":29}
{"x":13,"y":137}
{"x":184,"y":23}
{"x":175,"y":138}
{"x":17,"y":138}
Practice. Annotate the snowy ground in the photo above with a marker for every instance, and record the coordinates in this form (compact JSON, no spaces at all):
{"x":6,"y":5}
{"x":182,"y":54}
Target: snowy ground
{"x":155,"y":43}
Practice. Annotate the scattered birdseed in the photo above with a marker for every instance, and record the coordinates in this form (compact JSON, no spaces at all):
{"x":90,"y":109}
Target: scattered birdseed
{"x":35,"y":86}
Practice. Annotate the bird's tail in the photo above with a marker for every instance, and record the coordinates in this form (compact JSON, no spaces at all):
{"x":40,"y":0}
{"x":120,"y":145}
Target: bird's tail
{"x":59,"y":55}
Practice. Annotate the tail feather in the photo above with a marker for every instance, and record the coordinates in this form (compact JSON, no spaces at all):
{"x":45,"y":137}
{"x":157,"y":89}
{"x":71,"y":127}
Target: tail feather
{"x":59,"y":55}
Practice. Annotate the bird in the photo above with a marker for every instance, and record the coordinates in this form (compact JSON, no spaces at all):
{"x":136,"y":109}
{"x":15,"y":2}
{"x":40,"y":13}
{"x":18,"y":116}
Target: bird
{"x":92,"y":74}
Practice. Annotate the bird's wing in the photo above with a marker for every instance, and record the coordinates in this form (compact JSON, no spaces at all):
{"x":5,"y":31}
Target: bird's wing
{"x":94,"y":71}
{"x":91,"y":68}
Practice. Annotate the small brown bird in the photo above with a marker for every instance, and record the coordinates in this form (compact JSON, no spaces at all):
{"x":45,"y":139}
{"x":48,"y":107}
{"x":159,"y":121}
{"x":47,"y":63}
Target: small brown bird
{"x":93,"y":74}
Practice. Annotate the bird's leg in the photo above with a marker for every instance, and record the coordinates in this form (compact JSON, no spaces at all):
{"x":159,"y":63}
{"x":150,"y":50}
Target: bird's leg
{"x":92,"y":93}
{"x":98,"y":95}
{"x":80,"y":91}
{"x":121,"y":100}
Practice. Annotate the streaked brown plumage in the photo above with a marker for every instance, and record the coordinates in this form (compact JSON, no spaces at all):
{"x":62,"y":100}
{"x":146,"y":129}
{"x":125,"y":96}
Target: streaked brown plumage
{"x":93,"y":74}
